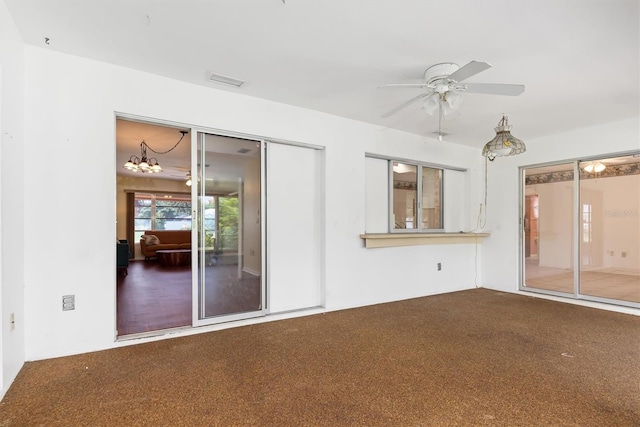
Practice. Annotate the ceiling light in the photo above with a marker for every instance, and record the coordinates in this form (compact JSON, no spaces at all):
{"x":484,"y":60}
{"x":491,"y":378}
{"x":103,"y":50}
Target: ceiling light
{"x":504,"y":144}
{"x":451,"y":102}
{"x":148,"y":165}
{"x":431,"y":104}
{"x":219,"y":78}
{"x":446,"y":103}
{"x":142,"y":163}
{"x":593,"y":167}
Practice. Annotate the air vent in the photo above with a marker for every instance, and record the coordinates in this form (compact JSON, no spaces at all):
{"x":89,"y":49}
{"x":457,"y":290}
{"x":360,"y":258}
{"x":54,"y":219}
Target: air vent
{"x":219,"y":78}
{"x":243,"y":150}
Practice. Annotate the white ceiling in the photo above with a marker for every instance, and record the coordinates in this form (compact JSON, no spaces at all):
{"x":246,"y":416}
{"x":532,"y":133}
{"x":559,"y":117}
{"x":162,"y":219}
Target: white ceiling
{"x":579,"y":60}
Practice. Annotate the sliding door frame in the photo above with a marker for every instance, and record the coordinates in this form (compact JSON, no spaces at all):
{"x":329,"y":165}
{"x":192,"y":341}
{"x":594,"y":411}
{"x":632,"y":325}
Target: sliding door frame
{"x":198,"y":257}
{"x":576,"y":218}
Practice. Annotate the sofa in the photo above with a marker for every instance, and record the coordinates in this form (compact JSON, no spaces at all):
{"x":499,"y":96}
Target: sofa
{"x":154,"y":240}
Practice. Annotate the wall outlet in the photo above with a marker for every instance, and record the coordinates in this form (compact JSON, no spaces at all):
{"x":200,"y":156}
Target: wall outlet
{"x":623,"y":254}
{"x":12,"y":321}
{"x":439,"y":266}
{"x":68,"y":302}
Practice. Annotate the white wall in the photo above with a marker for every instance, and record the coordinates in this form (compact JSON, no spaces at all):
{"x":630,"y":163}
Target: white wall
{"x":12,"y":255}
{"x":501,"y":250}
{"x":70,"y":104}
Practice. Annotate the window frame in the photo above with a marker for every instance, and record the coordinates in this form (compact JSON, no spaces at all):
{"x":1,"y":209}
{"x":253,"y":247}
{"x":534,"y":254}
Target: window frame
{"x":154,"y":197}
{"x":419,"y":197}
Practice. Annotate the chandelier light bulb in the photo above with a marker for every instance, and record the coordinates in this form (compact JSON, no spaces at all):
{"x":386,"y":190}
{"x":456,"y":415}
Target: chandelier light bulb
{"x":130,"y":165}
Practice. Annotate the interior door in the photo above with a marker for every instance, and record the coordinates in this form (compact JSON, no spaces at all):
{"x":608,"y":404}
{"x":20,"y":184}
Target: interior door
{"x":229,"y":282}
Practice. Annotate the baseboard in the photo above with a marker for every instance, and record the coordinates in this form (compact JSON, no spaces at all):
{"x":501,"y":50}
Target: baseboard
{"x":251,"y":271}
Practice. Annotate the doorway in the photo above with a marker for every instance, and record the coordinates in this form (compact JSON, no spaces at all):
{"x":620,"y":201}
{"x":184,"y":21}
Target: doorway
{"x":150,"y":295}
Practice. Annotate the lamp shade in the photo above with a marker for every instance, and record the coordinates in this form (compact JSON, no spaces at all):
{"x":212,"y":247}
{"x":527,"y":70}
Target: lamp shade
{"x":503,"y":144}
{"x":452,"y":102}
{"x":431,"y":104}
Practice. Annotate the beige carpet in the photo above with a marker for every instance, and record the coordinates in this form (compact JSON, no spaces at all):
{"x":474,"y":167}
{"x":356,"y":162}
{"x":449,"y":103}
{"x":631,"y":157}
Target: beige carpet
{"x":471,"y":358}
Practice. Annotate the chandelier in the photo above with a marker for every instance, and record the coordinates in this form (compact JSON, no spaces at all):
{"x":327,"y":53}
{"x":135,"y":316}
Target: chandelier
{"x":504,"y":144}
{"x":144,"y":164}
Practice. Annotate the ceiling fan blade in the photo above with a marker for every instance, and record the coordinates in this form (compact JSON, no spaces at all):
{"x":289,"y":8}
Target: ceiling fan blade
{"x":405,"y":104}
{"x":471,"y":69}
{"x":424,"y":84}
{"x":494,"y":88}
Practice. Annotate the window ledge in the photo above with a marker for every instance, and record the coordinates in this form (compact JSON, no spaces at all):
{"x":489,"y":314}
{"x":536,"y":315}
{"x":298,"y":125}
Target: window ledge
{"x":387,"y":240}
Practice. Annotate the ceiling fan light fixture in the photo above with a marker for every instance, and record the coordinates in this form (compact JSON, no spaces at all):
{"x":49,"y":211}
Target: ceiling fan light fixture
{"x":593,"y":167}
{"x":453,"y":100}
{"x":431,"y":104}
{"x":503,"y":144}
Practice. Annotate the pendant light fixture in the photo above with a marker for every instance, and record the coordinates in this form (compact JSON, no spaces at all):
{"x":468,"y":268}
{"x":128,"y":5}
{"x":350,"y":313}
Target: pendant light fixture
{"x":504,"y":144}
{"x":142,"y":163}
{"x":149,"y":165}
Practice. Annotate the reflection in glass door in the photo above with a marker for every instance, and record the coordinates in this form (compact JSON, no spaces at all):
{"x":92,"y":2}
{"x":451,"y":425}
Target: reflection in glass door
{"x":610,"y":228}
{"x":229,"y":250}
{"x":547,"y":228}
{"x":583,"y":214}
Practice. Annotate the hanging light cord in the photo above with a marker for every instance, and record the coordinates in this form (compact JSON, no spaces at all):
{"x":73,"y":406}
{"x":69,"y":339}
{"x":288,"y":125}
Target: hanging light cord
{"x":481,"y":220}
{"x":183,"y":132}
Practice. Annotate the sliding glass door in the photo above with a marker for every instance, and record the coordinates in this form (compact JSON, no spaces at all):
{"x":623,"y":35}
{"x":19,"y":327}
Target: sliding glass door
{"x":229,"y":284}
{"x":547,"y":228}
{"x":581,"y":229}
{"x":609,"y":224}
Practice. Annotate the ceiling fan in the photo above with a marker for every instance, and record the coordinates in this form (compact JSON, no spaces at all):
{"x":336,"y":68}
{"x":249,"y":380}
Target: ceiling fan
{"x":442,"y":84}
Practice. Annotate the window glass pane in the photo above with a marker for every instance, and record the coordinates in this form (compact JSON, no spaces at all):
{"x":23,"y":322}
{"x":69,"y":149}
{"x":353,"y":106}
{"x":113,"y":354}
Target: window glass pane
{"x":161,"y":212}
{"x":142,"y":224}
{"x":431,"y":201}
{"x":405,"y":190}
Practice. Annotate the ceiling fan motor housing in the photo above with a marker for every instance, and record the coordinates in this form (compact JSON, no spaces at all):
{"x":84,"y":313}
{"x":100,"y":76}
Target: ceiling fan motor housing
{"x":438,"y":73}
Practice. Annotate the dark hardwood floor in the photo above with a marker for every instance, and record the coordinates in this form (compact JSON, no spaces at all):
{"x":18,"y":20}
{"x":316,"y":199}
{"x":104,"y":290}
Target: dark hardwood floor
{"x":152,"y":297}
